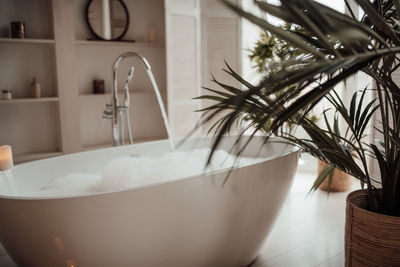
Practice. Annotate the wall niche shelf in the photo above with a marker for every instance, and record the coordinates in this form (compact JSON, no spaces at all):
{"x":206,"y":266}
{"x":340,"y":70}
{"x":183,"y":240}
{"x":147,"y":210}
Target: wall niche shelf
{"x":120,"y":94}
{"x":95,"y":60}
{"x":29,"y":100}
{"x":33,"y":124}
{"x":118,"y":43}
{"x":26,"y":41}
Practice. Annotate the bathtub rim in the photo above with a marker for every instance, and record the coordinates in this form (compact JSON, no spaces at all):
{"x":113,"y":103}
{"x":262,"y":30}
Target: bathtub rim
{"x":294,"y":149}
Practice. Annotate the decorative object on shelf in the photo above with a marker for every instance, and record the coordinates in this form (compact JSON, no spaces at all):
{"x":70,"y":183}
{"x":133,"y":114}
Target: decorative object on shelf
{"x":35,"y":88}
{"x":98,"y":87}
{"x":6,"y":95}
{"x":338,"y":182}
{"x":152,"y":35}
{"x":18,"y":29}
{"x":107,"y":19}
{"x":337,"y":46}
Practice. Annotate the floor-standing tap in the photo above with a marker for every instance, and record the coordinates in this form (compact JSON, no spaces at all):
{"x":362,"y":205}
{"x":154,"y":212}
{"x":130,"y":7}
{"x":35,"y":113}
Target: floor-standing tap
{"x":118,"y":111}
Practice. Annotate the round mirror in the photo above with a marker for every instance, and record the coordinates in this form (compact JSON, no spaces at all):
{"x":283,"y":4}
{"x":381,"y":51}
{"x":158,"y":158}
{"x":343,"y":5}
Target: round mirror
{"x":107,"y":19}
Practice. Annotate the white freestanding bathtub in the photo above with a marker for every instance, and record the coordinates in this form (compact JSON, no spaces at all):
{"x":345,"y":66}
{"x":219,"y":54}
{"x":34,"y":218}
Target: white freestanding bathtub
{"x":188,"y":222}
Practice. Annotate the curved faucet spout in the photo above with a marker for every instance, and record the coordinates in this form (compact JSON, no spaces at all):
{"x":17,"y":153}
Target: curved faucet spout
{"x":117,"y":109}
{"x":131,"y":54}
{"x":116,"y":64}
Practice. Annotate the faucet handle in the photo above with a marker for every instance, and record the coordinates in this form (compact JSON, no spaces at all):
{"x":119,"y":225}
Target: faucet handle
{"x":107,"y":113}
{"x":103,"y":120}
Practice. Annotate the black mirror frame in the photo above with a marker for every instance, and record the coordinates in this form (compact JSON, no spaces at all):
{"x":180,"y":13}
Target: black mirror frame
{"x":99,"y":37}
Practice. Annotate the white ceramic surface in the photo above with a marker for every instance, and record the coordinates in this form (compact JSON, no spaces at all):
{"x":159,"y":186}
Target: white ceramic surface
{"x":189,"y":222}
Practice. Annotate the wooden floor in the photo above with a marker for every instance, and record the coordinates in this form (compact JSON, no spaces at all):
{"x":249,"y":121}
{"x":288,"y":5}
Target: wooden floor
{"x":308,"y":232}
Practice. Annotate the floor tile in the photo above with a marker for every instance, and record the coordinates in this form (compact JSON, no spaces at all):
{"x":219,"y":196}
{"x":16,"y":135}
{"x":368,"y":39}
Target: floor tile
{"x":309,"y":254}
{"x":282,"y":240}
{"x":335,"y":261}
{"x":338,"y":233}
{"x":309,"y":222}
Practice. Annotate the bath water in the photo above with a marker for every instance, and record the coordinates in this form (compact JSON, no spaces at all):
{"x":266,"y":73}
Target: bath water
{"x":7,"y":182}
{"x":162,"y":108}
{"x":130,"y":172}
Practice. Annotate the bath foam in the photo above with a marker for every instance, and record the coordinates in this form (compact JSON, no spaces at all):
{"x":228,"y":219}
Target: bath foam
{"x":130,"y":172}
{"x":71,"y":184}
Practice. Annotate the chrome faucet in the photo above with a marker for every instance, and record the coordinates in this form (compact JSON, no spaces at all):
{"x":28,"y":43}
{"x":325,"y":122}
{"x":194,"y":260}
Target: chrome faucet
{"x":117,"y":112}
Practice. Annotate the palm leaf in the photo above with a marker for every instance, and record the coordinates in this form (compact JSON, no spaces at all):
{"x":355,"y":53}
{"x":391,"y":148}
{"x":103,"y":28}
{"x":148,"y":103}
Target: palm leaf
{"x":275,"y":30}
{"x":330,"y":47}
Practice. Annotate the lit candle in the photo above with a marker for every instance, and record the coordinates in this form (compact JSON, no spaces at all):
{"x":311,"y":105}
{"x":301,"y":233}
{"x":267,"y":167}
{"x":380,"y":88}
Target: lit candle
{"x":6,"y":159}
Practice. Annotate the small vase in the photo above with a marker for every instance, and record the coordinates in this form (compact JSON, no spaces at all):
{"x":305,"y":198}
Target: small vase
{"x":371,"y":239}
{"x":35,"y":88}
{"x":341,"y":181}
{"x":98,"y":87}
{"x":151,"y":35}
{"x":17,"y":29}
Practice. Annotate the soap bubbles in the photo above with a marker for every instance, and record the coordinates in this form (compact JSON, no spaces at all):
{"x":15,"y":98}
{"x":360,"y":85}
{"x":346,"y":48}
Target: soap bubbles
{"x":131,"y":172}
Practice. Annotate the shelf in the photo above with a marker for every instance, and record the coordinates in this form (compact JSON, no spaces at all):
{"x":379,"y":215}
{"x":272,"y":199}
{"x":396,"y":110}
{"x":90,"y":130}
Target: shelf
{"x":26,"y":41}
{"x":109,"y":94}
{"x":29,"y":100}
{"x":135,"y":141}
{"x":117,"y":43}
{"x":35,"y":156}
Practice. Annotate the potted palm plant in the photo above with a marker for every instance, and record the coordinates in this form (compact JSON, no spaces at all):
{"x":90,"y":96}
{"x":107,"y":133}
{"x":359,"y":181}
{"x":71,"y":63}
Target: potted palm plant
{"x":334,"y":47}
{"x":271,"y":49}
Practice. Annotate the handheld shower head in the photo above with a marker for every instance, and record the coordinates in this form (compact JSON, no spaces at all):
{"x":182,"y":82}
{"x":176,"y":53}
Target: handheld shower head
{"x":128,"y":80}
{"x":129,"y":77}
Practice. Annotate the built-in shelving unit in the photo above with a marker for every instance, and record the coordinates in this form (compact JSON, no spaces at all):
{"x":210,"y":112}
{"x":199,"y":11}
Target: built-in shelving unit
{"x":30,"y":125}
{"x":59,"y":52}
{"x":26,"y":41}
{"x":29,"y":100}
{"x":95,"y":59}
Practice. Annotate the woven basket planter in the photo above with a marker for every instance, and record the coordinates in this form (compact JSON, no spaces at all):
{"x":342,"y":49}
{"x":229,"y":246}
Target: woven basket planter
{"x":371,"y":239}
{"x":341,"y":181}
